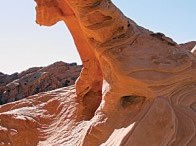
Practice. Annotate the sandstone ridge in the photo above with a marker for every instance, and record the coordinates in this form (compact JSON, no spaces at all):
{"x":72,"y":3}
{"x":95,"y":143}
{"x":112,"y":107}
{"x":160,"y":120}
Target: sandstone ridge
{"x":136,"y":87}
{"x":37,"y":79}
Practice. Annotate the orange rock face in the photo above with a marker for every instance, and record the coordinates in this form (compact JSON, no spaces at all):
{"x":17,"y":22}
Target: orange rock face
{"x":33,"y":121}
{"x":142,"y":90}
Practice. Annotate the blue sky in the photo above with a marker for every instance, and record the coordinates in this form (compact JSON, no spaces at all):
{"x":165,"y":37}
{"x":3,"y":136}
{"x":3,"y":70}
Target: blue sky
{"x":25,"y":44}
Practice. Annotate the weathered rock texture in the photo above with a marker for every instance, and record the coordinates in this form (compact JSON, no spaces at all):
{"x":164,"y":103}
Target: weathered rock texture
{"x":4,"y":80}
{"x":43,"y":119}
{"x":189,"y":45}
{"x":36,"y":80}
{"x":143,"y":90}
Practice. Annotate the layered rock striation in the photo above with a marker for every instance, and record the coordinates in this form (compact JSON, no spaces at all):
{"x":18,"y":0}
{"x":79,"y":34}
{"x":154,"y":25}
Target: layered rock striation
{"x":143,"y":90}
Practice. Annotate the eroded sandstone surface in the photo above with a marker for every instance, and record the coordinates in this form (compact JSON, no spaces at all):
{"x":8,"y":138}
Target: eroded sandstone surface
{"x":189,"y":45}
{"x":143,"y":90}
{"x":37,"y":79}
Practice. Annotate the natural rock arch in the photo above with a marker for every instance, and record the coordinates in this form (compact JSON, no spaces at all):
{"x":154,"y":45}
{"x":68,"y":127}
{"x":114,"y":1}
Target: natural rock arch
{"x":143,"y":73}
{"x":148,"y":91}
{"x":90,"y":82}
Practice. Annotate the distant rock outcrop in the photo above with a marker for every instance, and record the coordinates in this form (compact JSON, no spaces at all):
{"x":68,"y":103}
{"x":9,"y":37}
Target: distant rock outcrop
{"x":4,"y":80}
{"x":189,"y":45}
{"x":36,"y":80}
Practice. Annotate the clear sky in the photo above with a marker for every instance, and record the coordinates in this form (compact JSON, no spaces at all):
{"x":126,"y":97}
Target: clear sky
{"x":25,"y":44}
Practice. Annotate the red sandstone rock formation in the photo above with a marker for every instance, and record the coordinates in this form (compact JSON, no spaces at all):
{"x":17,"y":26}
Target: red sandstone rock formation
{"x":4,"y":80}
{"x":36,"y":80}
{"x":148,"y":93}
{"x":189,"y":46}
{"x":43,"y":119}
